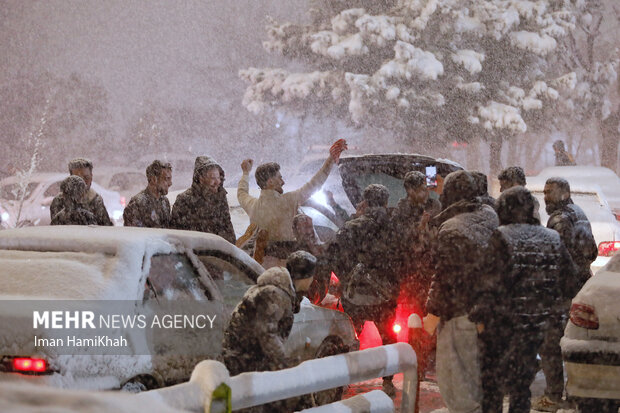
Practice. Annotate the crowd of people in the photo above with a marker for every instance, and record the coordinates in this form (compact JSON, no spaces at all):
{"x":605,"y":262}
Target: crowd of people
{"x":493,"y":284}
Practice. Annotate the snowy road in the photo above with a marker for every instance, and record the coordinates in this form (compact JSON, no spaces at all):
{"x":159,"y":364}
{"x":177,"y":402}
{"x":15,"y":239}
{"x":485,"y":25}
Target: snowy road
{"x":430,"y":399}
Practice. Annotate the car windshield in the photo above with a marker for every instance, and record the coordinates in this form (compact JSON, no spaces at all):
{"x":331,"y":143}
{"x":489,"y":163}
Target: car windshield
{"x":394,"y":185}
{"x":230,"y":280}
{"x":173,"y":276}
{"x":13,"y":192}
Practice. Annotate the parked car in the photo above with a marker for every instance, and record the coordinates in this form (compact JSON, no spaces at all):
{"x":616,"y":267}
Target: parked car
{"x":39,"y":193}
{"x":182,"y":167}
{"x":591,"y":342}
{"x":141,"y":265}
{"x":126,"y":181}
{"x":605,"y":227}
{"x":605,"y":178}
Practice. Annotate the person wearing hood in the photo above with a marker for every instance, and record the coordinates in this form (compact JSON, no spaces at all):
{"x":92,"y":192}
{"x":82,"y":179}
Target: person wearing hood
{"x":260,"y":324}
{"x":575,"y":230}
{"x":204,"y":207}
{"x":361,"y":255}
{"x":562,"y":157}
{"x":273,"y":211}
{"x":151,"y":208}
{"x":526,"y":279}
{"x":465,"y":227}
{"x":73,"y":211}
{"x":416,"y":239}
{"x":483,"y":188}
{"x":92,"y":200}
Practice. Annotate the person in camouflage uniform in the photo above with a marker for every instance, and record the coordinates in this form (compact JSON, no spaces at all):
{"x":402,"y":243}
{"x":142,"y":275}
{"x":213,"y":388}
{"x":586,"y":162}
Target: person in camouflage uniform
{"x":151,"y":208}
{"x":361,"y":256}
{"x":465,"y":227}
{"x":416,"y":238}
{"x":262,"y":321}
{"x":575,"y":230}
{"x":528,"y":276}
{"x":204,"y":207}
{"x":93,"y":202}
{"x":72,"y":211}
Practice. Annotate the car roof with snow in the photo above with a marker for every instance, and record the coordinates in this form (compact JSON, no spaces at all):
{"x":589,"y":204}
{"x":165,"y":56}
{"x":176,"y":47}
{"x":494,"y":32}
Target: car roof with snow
{"x":586,"y":176}
{"x":83,"y":262}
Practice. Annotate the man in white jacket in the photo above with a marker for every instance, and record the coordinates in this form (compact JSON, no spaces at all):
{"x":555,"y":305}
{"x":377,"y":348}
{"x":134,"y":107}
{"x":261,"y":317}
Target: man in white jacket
{"x":273,"y":211}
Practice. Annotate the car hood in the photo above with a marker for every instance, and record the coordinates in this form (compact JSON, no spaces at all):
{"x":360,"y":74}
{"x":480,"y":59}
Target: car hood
{"x":387,"y":169}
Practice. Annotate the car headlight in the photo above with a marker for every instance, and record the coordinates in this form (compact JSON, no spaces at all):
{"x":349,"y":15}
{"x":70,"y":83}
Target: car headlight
{"x":5,"y":216}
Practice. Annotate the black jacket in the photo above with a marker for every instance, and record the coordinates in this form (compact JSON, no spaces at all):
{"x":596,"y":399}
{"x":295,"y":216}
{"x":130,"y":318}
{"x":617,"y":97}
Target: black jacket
{"x":462,"y":240}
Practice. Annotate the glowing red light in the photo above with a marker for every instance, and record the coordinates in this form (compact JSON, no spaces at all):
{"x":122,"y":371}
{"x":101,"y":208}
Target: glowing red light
{"x":334,"y":279}
{"x":29,"y":364}
{"x":123,"y":202}
{"x":397,"y":328}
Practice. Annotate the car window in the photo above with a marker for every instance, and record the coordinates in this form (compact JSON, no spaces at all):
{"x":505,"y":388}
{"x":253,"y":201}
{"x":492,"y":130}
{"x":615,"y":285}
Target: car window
{"x":172,"y":276}
{"x":394,"y":185}
{"x":52,"y":190}
{"x":12,"y":192}
{"x":230,"y":280}
{"x":126,"y":180}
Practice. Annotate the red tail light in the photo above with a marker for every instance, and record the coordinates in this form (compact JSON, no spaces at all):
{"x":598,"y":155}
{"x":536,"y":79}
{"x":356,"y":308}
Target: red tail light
{"x":397,"y":328}
{"x":608,"y":248}
{"x":24,"y":364}
{"x":583,"y":315}
{"x":123,"y":202}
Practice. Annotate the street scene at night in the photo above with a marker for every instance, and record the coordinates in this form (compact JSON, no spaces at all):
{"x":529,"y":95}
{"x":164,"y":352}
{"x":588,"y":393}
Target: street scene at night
{"x":316,"y":206}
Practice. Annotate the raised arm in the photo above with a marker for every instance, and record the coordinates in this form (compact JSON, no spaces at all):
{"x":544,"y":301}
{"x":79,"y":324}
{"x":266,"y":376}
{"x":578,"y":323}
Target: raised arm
{"x":243,"y":190}
{"x":317,"y":181}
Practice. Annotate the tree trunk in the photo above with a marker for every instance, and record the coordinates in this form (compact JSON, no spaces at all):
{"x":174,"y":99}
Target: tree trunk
{"x":473,"y":155}
{"x":495,"y":155}
{"x":610,"y":141}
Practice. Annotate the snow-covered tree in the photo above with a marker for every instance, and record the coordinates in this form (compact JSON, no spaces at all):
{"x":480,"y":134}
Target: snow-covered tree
{"x":593,"y":58}
{"x":431,"y":71}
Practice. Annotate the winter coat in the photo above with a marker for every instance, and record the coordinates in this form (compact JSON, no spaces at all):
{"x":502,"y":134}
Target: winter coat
{"x":199,"y":210}
{"x":464,"y":232}
{"x":563,"y":158}
{"x":364,"y":247}
{"x":576,"y":233}
{"x":144,"y":210}
{"x":93,"y":203}
{"x":529,"y":276}
{"x":416,"y":246}
{"x":74,"y":216}
{"x":273,"y":211}
{"x":260,"y":324}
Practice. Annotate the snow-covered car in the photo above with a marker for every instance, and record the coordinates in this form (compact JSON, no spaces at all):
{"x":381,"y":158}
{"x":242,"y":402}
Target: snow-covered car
{"x":591,"y":342}
{"x":605,"y":178}
{"x":139,"y":265}
{"x":605,"y":227}
{"x":126,"y":181}
{"x":39,"y":193}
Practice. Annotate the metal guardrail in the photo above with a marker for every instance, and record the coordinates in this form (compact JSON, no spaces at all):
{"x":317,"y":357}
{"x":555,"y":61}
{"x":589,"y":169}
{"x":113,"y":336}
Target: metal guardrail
{"x":256,"y":388}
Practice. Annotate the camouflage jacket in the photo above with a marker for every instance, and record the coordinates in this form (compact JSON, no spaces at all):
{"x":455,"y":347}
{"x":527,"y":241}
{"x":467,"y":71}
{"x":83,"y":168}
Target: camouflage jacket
{"x":260,"y":324}
{"x":196,"y":211}
{"x":144,"y":210}
{"x":94,"y":203}
{"x":77,"y":216}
